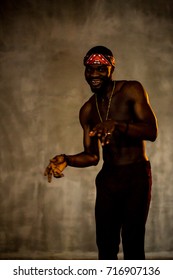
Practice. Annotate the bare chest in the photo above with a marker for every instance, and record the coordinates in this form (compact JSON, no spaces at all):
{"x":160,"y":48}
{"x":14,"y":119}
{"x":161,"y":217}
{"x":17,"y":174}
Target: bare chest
{"x":120,"y":108}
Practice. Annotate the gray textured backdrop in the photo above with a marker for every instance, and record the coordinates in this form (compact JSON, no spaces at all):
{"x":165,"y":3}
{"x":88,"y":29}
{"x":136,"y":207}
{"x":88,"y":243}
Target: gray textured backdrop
{"x":42,"y":87}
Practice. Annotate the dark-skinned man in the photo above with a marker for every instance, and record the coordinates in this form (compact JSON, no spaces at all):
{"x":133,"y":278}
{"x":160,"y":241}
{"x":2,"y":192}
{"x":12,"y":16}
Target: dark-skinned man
{"x":119,"y":116}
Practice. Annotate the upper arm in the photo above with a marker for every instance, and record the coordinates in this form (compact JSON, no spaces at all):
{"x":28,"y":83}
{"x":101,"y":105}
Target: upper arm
{"x":141,"y":105}
{"x":142,"y":111}
{"x":90,"y":144}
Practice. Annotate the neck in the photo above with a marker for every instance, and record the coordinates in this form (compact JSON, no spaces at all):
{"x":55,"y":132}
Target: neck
{"x":105,"y":92}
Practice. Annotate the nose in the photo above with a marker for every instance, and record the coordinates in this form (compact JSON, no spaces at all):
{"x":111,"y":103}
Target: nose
{"x":94,"y":73}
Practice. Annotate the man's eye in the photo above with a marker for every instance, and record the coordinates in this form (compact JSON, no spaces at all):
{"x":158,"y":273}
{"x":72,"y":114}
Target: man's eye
{"x":89,"y":69}
{"x":101,"y":69}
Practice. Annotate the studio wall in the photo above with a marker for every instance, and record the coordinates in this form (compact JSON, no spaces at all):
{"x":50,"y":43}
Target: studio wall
{"x":42,"y":88}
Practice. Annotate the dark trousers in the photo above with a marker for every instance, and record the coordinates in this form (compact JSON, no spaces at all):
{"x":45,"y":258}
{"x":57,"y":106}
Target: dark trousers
{"x":122,"y":204}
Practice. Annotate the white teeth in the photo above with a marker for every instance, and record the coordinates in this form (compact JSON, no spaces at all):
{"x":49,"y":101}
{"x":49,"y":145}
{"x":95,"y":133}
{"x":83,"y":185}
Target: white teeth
{"x":95,"y":82}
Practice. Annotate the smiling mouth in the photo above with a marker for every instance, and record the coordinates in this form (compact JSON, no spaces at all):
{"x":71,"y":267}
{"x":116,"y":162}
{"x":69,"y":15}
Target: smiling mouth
{"x":95,"y":82}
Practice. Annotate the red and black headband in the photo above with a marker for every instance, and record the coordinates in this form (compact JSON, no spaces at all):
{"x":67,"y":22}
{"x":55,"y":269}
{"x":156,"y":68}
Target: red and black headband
{"x":98,"y":59}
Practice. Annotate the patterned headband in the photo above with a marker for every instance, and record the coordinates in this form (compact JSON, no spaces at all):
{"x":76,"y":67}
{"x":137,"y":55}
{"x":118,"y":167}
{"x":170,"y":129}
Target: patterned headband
{"x":97,"y":59}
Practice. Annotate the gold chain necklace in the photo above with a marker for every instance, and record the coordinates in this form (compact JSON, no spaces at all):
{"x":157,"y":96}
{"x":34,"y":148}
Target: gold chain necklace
{"x":109,"y":104}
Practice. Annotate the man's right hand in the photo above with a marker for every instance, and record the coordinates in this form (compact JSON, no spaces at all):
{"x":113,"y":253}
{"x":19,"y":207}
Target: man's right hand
{"x":55,"y":167}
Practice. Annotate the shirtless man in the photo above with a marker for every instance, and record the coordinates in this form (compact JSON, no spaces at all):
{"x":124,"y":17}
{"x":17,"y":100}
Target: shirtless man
{"x":119,"y":116}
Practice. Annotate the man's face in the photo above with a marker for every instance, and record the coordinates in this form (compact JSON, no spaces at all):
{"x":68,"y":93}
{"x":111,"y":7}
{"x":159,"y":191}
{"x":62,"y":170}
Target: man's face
{"x":98,"y":76}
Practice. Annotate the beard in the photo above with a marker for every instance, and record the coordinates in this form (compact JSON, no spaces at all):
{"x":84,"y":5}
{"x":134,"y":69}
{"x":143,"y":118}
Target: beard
{"x":99,"y":85}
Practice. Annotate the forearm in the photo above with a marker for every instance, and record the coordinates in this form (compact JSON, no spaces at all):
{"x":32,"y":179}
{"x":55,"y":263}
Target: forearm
{"x":143,"y":131}
{"x":82,"y":160}
{"x":60,"y":162}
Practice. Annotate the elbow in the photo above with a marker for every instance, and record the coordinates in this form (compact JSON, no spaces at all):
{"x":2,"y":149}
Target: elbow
{"x":154,"y":135}
{"x":95,"y":160}
{"x":152,"y":139}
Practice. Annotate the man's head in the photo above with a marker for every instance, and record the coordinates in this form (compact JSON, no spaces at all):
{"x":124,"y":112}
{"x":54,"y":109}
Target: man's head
{"x":99,"y":65}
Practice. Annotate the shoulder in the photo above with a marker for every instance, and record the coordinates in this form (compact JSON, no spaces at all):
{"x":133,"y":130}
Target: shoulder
{"x":129,"y":85}
{"x":133,"y":89}
{"x":86,"y":107}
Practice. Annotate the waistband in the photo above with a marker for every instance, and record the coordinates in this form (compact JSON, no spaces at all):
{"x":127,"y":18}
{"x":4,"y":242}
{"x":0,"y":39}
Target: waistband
{"x":144,"y":163}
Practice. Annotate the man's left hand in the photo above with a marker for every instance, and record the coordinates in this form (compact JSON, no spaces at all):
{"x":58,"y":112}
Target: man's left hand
{"x":103,"y":131}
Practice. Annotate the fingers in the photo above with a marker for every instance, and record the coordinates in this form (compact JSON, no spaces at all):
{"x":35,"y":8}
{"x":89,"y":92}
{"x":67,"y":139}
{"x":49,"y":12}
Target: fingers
{"x":49,"y":176}
{"x":103,"y":131}
{"x":48,"y":173}
{"x":47,"y":170}
{"x":54,"y":169}
{"x":92,"y":133}
{"x":58,"y":175}
{"x":103,"y":134}
{"x":106,"y":138}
